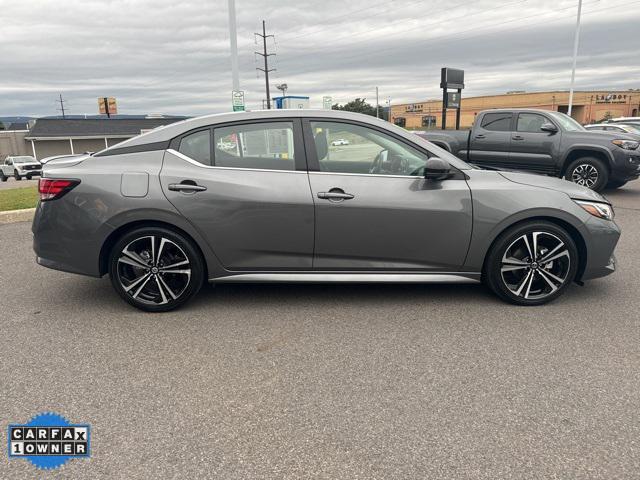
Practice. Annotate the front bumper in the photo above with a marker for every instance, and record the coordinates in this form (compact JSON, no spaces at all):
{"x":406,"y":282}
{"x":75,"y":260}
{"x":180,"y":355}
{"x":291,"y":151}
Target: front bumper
{"x":601,"y":240}
{"x":626,"y":166}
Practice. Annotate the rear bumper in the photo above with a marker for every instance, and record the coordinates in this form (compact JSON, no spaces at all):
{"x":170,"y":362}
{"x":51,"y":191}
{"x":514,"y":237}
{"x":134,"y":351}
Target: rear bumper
{"x":65,"y":238}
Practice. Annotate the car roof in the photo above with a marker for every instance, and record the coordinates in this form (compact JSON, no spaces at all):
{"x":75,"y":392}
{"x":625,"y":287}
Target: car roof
{"x":168,"y":132}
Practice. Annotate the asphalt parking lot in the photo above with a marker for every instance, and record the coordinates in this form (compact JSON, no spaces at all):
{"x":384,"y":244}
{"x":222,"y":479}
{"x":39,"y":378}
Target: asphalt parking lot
{"x":344,"y":381}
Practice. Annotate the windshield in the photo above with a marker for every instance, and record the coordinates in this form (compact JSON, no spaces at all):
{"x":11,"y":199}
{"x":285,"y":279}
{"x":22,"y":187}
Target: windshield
{"x":632,"y":128}
{"x":23,"y":159}
{"x":567,"y":123}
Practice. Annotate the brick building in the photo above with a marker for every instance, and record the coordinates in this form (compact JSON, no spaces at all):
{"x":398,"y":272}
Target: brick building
{"x":588,"y":107}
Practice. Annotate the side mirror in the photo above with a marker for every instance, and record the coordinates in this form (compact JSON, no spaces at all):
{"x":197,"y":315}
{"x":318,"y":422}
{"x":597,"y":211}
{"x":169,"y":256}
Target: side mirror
{"x":436,"y":169}
{"x":549,"y":127}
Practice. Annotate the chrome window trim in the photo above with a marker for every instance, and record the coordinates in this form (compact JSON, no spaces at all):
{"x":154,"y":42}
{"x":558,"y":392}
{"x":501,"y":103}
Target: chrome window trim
{"x":213,"y":167}
{"x":367,"y":175}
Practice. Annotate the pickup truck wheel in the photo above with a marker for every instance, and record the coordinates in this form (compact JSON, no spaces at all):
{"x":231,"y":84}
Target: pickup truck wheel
{"x":16,"y":175}
{"x":3,"y":177}
{"x":531,"y":263}
{"x":589,"y":172}
{"x":616,"y":184}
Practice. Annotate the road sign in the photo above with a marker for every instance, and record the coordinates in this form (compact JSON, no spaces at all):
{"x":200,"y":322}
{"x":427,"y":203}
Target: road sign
{"x":107,"y":106}
{"x":326,"y":103}
{"x":237,"y":100}
{"x":453,"y":100}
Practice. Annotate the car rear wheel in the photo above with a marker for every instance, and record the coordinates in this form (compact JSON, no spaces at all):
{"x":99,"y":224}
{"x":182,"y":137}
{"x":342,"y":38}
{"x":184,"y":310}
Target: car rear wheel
{"x":3,"y":177}
{"x":589,"y":172}
{"x":531,"y":263}
{"x":156,"y":269}
{"x":16,"y":175}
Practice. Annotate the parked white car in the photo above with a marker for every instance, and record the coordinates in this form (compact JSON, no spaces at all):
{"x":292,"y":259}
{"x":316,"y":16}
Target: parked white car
{"x":20,"y":167}
{"x":340,"y":141}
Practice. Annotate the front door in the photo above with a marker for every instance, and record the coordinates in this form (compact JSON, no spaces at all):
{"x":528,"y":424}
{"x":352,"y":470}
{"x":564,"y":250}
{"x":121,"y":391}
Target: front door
{"x":374,"y":209}
{"x":244,"y":186}
{"x":532,"y":148}
{"x":490,"y":140}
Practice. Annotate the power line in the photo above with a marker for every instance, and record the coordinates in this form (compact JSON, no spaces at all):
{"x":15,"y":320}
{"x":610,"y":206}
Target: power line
{"x":266,"y":56}
{"x":61,"y":109}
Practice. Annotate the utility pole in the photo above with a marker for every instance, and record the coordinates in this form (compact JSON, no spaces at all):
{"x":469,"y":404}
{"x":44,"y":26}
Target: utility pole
{"x":62,"y":106}
{"x":265,"y":55}
{"x":233,"y":40}
{"x":576,"y":41}
{"x":377,"y":104}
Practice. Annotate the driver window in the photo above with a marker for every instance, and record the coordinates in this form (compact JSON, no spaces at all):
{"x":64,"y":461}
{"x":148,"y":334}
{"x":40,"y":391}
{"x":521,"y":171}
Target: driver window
{"x":348,"y":148}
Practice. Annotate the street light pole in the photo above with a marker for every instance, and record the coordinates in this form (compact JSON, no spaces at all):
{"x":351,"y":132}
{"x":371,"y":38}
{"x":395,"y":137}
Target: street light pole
{"x":576,"y":41}
{"x":233,"y":41}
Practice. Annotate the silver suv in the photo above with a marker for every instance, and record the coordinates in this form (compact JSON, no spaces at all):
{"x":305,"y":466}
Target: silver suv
{"x":266,"y":197}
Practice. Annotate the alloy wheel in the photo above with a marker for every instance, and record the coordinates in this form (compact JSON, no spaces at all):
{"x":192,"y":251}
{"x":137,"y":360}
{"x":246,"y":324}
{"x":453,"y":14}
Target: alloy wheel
{"x":535,"y":265}
{"x":153,"y":270}
{"x":585,"y":174}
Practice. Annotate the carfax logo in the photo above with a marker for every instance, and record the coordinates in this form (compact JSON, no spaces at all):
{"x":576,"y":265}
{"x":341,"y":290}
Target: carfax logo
{"x":49,"y":441}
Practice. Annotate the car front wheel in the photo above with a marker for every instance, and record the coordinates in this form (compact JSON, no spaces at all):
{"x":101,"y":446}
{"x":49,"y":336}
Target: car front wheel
{"x":531,"y":263}
{"x":156,"y":269}
{"x":589,"y":172}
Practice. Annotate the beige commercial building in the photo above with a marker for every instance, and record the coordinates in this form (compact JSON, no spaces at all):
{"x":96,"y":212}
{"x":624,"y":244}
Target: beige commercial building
{"x":588,"y":107}
{"x":46,"y":137}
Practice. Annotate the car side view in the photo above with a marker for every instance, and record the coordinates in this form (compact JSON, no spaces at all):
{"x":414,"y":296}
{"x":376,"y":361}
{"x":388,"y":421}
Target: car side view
{"x":266,"y":196}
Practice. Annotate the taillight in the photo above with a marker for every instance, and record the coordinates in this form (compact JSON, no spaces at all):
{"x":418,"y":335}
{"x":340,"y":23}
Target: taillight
{"x":53,"y":188}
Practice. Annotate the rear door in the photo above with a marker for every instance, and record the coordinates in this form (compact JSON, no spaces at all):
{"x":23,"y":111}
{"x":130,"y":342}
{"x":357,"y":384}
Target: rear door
{"x":244,"y":186}
{"x":374,"y":209}
{"x":491,"y":139}
{"x":531,"y":148}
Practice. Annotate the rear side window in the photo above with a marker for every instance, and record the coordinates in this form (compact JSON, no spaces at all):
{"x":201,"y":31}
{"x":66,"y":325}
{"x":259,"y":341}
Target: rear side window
{"x":197,"y":146}
{"x":264,"y":146}
{"x":531,"y":122}
{"x":500,"y":122}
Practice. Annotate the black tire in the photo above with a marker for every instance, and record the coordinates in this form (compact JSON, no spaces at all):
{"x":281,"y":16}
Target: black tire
{"x":155,"y":293}
{"x":586,"y":170}
{"x":16,"y":175}
{"x":514,"y":285}
{"x":28,"y":177}
{"x":616,"y":184}
{"x":3,"y":177}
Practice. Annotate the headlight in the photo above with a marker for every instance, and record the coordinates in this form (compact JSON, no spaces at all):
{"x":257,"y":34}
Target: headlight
{"x":626,"y":144}
{"x":600,"y":210}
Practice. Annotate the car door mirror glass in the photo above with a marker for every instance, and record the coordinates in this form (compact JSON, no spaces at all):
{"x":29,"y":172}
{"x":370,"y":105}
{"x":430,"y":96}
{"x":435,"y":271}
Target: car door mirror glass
{"x":437,"y":169}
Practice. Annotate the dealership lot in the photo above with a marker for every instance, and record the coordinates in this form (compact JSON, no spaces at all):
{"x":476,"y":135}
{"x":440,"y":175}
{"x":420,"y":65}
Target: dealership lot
{"x":341,"y":381}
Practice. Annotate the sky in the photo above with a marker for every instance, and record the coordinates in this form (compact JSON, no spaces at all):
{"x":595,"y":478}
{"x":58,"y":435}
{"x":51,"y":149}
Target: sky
{"x":164,"y":56}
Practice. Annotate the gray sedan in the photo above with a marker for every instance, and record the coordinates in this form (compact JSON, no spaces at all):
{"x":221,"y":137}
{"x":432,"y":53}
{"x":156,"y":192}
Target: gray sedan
{"x":167,"y":210}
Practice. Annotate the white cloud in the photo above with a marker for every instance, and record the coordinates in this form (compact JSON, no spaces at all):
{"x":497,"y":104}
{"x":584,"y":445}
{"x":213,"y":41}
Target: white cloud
{"x":173,"y":57}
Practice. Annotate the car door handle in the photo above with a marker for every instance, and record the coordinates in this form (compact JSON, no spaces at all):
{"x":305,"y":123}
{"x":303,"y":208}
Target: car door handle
{"x":186,"y":187}
{"x":517,"y":137}
{"x":479,"y":136}
{"x":335,"y":195}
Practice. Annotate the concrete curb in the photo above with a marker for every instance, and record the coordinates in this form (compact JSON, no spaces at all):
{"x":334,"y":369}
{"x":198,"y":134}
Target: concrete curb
{"x":13,"y":216}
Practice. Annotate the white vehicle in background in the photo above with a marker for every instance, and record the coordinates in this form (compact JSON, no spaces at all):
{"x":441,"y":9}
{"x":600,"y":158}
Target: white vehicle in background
{"x":340,"y":141}
{"x":20,"y":167}
{"x":615,"y":127}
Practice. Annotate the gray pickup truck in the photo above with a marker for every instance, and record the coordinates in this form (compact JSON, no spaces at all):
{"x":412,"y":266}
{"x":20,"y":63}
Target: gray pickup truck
{"x":545,"y":142}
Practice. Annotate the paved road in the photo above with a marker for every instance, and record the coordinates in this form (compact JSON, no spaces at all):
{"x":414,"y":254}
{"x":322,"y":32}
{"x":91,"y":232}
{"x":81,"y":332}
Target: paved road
{"x":332,"y":382}
{"x":13,"y":183}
